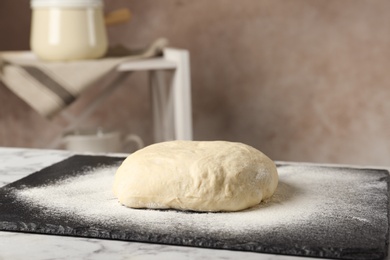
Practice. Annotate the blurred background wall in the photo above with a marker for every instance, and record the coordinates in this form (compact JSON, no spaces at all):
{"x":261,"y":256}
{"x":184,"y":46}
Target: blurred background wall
{"x":300,"y":80}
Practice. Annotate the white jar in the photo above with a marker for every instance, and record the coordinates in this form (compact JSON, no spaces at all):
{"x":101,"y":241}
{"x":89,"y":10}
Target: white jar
{"x":63,"y":30}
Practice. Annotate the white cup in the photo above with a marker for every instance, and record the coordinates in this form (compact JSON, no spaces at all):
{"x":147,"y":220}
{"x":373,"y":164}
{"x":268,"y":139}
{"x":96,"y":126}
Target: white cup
{"x":100,"y":141}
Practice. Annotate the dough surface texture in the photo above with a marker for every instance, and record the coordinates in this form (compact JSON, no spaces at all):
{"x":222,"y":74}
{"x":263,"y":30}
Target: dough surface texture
{"x":195,"y":175}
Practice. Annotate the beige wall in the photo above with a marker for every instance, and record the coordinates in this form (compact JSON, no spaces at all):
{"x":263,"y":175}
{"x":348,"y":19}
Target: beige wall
{"x":300,"y":80}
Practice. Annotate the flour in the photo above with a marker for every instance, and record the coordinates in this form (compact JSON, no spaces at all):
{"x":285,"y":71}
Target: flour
{"x":305,"y":194}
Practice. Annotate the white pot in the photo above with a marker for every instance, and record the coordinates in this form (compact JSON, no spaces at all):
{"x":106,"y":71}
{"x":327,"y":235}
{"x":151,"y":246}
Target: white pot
{"x":101,"y":141}
{"x":63,"y":30}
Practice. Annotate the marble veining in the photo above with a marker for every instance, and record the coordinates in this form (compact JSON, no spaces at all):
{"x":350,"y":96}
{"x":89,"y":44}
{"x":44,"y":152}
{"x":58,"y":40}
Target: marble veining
{"x":17,"y":163}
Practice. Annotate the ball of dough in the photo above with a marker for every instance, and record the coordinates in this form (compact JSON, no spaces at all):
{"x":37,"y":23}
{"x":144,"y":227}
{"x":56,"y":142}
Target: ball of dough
{"x":197,"y":176}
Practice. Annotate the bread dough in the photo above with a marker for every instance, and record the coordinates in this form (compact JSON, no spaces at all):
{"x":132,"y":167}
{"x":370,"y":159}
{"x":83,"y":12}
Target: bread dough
{"x":194,"y":175}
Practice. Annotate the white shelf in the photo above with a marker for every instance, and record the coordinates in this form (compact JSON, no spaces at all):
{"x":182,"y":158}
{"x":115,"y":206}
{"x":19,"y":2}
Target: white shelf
{"x":172,"y":113}
{"x":149,"y":64}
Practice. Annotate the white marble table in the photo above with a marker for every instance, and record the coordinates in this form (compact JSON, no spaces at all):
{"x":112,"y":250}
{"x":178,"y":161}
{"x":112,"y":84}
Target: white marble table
{"x":16,"y":163}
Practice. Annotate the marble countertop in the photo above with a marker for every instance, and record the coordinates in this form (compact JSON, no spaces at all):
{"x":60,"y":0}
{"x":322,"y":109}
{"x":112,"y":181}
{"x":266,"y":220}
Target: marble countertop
{"x":18,"y":162}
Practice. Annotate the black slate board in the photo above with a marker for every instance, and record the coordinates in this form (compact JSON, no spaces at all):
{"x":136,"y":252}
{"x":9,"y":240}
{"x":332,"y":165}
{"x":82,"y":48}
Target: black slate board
{"x":339,"y":238}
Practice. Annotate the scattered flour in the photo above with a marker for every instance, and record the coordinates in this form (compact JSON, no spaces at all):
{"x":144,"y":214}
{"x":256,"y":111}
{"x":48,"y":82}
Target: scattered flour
{"x":303,"y":193}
